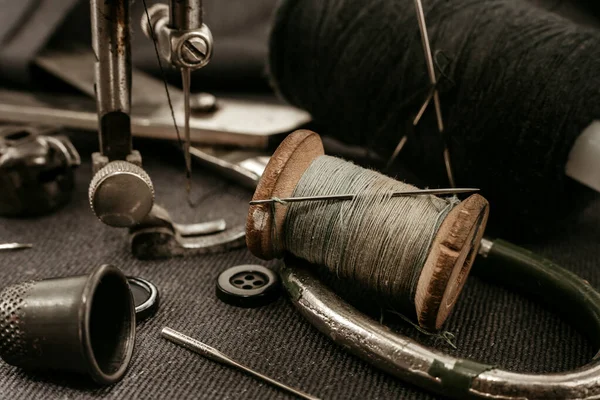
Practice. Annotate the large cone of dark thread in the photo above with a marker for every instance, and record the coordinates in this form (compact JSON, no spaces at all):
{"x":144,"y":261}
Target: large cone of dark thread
{"x":518,"y":85}
{"x":84,"y":324}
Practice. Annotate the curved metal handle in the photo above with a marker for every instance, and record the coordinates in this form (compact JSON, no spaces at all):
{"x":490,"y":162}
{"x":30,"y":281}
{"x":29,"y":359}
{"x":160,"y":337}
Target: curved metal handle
{"x":459,"y":378}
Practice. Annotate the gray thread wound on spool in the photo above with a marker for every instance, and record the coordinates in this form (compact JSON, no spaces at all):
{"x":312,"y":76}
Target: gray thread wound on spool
{"x":375,"y":240}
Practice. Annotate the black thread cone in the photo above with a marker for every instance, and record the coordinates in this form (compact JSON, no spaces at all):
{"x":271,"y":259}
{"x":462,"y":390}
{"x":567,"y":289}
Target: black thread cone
{"x":84,"y":324}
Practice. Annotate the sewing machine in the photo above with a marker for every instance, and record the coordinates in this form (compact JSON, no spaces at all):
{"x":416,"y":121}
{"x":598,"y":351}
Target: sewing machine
{"x":130,"y":102}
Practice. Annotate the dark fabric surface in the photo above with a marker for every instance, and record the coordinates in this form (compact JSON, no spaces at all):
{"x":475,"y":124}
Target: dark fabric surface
{"x":491,"y":324}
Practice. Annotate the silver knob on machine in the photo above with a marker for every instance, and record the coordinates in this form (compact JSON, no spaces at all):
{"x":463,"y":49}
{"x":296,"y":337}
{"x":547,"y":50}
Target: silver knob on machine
{"x":121,"y":194}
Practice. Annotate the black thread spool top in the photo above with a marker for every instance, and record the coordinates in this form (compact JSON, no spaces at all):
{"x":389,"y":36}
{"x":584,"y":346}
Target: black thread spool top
{"x":452,"y":251}
{"x":523,"y":84}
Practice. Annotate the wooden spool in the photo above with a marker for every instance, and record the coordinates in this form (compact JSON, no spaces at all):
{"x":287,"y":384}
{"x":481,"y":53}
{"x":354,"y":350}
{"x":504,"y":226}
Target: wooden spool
{"x":452,"y":252}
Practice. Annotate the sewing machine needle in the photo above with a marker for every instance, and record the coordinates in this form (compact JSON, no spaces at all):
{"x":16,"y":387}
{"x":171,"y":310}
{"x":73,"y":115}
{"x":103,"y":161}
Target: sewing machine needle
{"x":215,"y":355}
{"x":15,"y":246}
{"x":186,"y":81}
{"x":433,"y":81}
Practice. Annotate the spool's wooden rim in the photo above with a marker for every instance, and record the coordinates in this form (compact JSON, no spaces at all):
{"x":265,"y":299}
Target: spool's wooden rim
{"x":449,"y":262}
{"x":281,"y":175}
{"x":452,"y":252}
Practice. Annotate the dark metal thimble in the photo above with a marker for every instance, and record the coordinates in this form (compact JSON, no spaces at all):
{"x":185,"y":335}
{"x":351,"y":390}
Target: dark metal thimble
{"x":84,"y":324}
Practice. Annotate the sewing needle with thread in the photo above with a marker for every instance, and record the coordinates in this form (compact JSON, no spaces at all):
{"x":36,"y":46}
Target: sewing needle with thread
{"x":433,"y":94}
{"x":420,"y":192}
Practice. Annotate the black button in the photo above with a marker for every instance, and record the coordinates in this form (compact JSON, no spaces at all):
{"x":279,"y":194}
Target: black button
{"x":145,"y":297}
{"x":248,"y":286}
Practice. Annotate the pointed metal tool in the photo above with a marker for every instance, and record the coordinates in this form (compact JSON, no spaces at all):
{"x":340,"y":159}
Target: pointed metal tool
{"x":15,"y":246}
{"x":215,"y":355}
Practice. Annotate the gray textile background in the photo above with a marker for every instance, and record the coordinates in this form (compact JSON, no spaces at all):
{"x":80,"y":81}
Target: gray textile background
{"x":492,"y":325}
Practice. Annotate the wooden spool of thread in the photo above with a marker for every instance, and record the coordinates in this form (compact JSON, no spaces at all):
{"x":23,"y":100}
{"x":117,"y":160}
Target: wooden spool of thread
{"x":447,"y":263}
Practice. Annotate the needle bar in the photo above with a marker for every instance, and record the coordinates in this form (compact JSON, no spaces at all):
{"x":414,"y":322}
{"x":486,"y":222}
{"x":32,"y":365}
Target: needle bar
{"x":419,"y":192}
{"x":215,"y":355}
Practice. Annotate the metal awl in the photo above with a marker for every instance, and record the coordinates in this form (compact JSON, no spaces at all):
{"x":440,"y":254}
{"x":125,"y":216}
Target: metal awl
{"x":215,"y":355}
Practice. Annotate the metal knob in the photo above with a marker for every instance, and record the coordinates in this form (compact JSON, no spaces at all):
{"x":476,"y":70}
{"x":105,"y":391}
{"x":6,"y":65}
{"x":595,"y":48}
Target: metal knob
{"x":121,"y":194}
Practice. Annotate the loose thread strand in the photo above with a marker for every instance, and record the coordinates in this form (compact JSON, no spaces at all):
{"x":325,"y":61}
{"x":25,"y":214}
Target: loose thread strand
{"x":446,"y":336}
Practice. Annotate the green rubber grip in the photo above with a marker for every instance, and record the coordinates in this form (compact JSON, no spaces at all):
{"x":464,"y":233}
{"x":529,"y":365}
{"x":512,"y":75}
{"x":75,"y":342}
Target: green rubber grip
{"x":561,"y":290}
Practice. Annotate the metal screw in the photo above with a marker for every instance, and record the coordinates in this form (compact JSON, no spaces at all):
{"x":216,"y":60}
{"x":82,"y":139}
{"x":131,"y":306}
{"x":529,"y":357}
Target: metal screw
{"x":194,"y":50}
